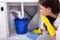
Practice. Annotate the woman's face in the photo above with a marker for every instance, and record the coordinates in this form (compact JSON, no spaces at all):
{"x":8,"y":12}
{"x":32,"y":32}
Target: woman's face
{"x":45,"y":11}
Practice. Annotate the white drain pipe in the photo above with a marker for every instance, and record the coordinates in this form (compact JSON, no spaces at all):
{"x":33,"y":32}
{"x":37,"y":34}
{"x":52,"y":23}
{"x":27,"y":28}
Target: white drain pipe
{"x":20,"y":14}
{"x":22,"y":10}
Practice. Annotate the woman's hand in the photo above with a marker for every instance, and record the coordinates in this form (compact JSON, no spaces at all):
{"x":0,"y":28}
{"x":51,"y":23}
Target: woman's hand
{"x":53,"y":38}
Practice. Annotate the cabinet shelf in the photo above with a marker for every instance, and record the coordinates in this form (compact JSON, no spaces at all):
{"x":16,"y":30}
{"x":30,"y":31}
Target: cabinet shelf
{"x":15,"y":36}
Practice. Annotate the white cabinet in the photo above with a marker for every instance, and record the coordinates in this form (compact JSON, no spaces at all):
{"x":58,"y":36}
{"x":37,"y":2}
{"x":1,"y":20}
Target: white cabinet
{"x":5,"y":26}
{"x":1,"y":0}
{"x":21,"y":0}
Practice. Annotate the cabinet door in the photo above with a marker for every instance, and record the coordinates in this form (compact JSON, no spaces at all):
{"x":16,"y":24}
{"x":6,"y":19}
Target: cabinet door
{"x":3,"y":20}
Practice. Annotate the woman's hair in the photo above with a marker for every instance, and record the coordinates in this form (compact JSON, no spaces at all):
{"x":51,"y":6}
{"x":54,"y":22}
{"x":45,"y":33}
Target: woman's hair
{"x":53,"y":4}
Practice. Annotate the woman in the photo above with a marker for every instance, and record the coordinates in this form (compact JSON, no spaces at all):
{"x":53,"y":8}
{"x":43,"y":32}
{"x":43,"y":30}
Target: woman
{"x":50,"y":8}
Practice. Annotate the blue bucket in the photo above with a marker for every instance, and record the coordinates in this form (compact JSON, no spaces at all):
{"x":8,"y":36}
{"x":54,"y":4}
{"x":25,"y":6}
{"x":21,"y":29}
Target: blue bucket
{"x":21,"y":25}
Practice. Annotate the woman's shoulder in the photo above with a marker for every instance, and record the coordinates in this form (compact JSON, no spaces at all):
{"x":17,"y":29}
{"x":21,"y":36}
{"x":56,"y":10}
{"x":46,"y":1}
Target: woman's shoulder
{"x":57,"y":21}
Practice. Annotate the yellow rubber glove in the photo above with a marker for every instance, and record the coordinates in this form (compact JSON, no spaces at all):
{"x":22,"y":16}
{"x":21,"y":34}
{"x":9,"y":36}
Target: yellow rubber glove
{"x":38,"y":31}
{"x":50,"y":28}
